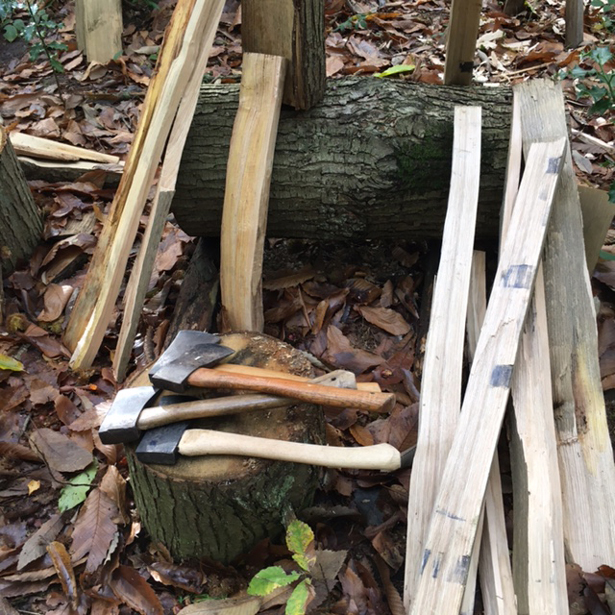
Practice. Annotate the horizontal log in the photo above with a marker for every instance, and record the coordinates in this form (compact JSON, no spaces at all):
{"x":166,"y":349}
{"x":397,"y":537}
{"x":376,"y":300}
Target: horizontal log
{"x":372,"y":160}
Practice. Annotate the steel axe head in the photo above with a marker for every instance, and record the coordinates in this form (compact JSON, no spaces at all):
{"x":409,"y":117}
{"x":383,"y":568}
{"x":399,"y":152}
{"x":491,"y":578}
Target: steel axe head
{"x":186,"y":353}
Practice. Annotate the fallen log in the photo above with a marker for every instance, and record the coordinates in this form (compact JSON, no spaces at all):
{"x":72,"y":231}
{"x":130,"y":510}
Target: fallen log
{"x":372,"y":160}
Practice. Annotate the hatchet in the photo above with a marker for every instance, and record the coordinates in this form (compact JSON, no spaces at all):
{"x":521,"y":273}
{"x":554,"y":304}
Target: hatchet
{"x":188,"y":359}
{"x":164,"y":445}
{"x":130,"y":413}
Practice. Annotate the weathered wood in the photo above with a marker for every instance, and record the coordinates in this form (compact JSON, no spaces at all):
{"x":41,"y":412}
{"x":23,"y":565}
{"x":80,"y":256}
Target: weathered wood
{"x":441,"y":381}
{"x":218,"y":507}
{"x":585,"y":452}
{"x":191,"y":22}
{"x":159,"y":211}
{"x":98,"y":27}
{"x":21,"y":222}
{"x":373,"y":160}
{"x":35,"y":168}
{"x":246,"y":201}
{"x":293,"y":29}
{"x":538,"y":547}
{"x":574,"y":23}
{"x":597,"y":212}
{"x":38,"y":147}
{"x":491,"y":551}
{"x":452,"y":532}
{"x":461,"y":44}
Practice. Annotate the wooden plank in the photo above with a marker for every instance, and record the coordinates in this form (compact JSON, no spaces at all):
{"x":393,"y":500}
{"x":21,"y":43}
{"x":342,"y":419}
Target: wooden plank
{"x":441,"y":383}
{"x":98,"y":27}
{"x":192,"y":20}
{"x":574,"y":23}
{"x":585,"y":452}
{"x":461,"y":43}
{"x":538,"y":549}
{"x":140,"y":275}
{"x":448,"y":548}
{"x":597,"y":212}
{"x":491,"y":550}
{"x":246,"y":201}
{"x":293,"y":29}
{"x":38,"y":147}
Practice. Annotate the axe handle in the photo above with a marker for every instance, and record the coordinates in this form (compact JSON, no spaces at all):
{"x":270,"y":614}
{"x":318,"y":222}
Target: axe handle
{"x":157,"y":416}
{"x":196,"y":442}
{"x":305,"y":391}
{"x":234,"y":368}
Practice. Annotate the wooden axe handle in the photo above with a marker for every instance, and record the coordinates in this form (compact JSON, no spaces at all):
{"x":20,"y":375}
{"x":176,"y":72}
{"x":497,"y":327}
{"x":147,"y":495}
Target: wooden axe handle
{"x":197,"y":442}
{"x":234,"y":368}
{"x":305,"y":391}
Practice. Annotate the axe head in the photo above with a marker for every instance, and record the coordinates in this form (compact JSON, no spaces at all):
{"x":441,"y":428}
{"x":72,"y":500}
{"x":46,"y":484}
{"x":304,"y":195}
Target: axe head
{"x":161,"y":444}
{"x":120,"y":423}
{"x":186,"y":353}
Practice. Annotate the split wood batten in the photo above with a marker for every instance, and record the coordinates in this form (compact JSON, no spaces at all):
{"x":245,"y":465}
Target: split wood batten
{"x":585,"y":452}
{"x":441,"y":392}
{"x":461,"y":45}
{"x":192,"y":19}
{"x":98,"y":28}
{"x":246,"y":201}
{"x":447,"y":551}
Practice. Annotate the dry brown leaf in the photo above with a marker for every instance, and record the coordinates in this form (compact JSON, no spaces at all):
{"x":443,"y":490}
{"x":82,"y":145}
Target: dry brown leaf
{"x":327,"y":564}
{"x":66,"y":410}
{"x":95,"y":529}
{"x":47,"y":344}
{"x":60,"y":452}
{"x":243,"y":605}
{"x":55,"y":300}
{"x":12,"y":450}
{"x":288,"y":279}
{"x":36,"y":545}
{"x":113,"y":484}
{"x":385,"y":318}
{"x":341,"y":353}
{"x":134,"y":591}
{"x":184,"y":577}
{"x":64,"y":569}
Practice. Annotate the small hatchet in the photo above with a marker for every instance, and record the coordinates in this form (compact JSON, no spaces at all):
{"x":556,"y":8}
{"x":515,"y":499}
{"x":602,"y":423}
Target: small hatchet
{"x":163,"y":445}
{"x":130,"y":414}
{"x":187,"y":360}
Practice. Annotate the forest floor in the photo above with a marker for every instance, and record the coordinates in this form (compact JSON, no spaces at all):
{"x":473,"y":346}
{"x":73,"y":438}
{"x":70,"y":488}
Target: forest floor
{"x":70,"y":536}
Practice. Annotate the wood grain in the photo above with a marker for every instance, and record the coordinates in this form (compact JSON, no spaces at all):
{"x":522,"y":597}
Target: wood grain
{"x":461,"y":44}
{"x":98,"y":28}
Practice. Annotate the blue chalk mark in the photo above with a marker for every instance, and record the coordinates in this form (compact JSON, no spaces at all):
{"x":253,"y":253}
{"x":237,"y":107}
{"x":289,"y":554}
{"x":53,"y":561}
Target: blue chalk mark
{"x":553,"y":164}
{"x":436,"y":565}
{"x":501,"y":376}
{"x":459,"y":574}
{"x":426,"y":555}
{"x":441,"y":511}
{"x":518,"y":276}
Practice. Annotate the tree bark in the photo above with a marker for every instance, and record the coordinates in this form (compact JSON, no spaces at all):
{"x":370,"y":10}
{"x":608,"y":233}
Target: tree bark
{"x":372,"y":160}
{"x":218,"y":507}
{"x":21,"y":224}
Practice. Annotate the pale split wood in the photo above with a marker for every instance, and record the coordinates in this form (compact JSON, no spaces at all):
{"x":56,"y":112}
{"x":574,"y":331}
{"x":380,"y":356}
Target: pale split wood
{"x":491,"y":550}
{"x":587,"y":471}
{"x":140,"y":275}
{"x":441,"y":382}
{"x":98,"y":27}
{"x":452,"y":532}
{"x":597,"y":212}
{"x":246,"y":200}
{"x":461,"y":44}
{"x":538,"y":549}
{"x":191,"y":20}
{"x":38,"y":147}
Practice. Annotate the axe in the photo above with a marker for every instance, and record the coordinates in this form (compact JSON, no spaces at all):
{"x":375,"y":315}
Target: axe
{"x":130,"y":413}
{"x":163,"y":445}
{"x":188,"y":360}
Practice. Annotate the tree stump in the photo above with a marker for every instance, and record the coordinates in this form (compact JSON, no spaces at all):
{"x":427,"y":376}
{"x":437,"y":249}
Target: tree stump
{"x":218,"y":507}
{"x":21,"y":223}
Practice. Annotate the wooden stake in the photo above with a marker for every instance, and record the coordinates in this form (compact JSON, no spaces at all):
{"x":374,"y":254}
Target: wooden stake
{"x":192,"y":20}
{"x":585,"y":452}
{"x":447,"y":550}
{"x":574,"y":23}
{"x":461,"y":44}
{"x":293,"y":29}
{"x":161,"y":205}
{"x":597,"y":212}
{"x":98,"y":26}
{"x":441,"y":389}
{"x":246,"y":201}
{"x":538,"y":549}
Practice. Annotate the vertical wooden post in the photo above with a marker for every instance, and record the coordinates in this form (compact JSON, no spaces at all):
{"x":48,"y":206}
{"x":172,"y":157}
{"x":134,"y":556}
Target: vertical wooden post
{"x":461,"y":44}
{"x":98,"y":26}
{"x":295,"y":30}
{"x":574,"y":23}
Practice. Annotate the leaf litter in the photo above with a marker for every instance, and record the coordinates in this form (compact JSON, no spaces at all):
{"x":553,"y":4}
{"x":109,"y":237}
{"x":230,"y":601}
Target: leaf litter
{"x":358,"y":308}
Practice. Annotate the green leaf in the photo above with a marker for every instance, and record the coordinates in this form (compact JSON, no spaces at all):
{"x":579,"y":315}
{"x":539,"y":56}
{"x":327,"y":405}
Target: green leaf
{"x":299,"y":536}
{"x":298,"y":600}
{"x":268,"y":579}
{"x":10,"y":33}
{"x":612,"y":193}
{"x":607,"y":256}
{"x":77,"y":489}
{"x":11,"y":364}
{"x":56,"y":65}
{"x":601,"y":55}
{"x":395,"y":70}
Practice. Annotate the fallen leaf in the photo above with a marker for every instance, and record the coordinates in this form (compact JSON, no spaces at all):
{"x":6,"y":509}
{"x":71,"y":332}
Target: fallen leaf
{"x":64,"y":569}
{"x":341,"y":353}
{"x":33,"y":485}
{"x":385,"y":318}
{"x":134,"y":591}
{"x":10,"y":364}
{"x":55,"y":299}
{"x":36,"y":545}
{"x":242,"y":605}
{"x":59,"y":452}
{"x":75,"y":491}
